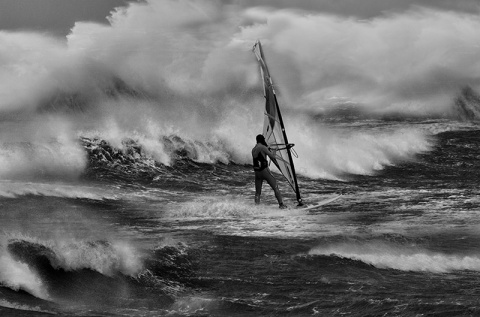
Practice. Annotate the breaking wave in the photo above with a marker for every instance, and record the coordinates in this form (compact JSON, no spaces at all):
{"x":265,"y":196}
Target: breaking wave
{"x":134,"y":92}
{"x":404,"y":258}
{"x":10,"y":189}
{"x":24,"y":307}
{"x":90,"y":270}
{"x":38,"y":267}
{"x":328,"y":156}
{"x":19,"y":276}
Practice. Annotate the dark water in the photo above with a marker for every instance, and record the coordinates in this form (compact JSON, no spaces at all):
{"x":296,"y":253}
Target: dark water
{"x":187,"y":240}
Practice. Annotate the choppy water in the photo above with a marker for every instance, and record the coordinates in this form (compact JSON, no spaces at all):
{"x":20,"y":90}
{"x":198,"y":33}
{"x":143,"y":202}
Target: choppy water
{"x":125,"y":180}
{"x":187,"y":240}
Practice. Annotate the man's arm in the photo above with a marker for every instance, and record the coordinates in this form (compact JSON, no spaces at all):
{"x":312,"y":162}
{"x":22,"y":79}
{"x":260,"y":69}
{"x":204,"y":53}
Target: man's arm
{"x":267,"y":152}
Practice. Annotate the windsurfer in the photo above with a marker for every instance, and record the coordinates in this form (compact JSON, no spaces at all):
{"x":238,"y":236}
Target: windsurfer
{"x":262,"y":172}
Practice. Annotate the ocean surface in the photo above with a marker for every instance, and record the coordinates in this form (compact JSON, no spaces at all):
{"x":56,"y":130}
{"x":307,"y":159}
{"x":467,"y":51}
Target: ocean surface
{"x":133,"y":237}
{"x":126,"y":184}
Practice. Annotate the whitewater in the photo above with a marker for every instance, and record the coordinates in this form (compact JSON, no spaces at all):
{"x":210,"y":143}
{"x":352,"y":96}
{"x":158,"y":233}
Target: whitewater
{"x":126,"y":184}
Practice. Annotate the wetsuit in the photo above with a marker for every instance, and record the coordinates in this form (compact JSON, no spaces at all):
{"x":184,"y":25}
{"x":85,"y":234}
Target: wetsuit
{"x":262,"y":172}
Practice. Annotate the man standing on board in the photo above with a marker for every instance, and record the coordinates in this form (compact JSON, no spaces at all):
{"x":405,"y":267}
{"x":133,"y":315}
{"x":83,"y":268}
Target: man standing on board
{"x":262,"y":172}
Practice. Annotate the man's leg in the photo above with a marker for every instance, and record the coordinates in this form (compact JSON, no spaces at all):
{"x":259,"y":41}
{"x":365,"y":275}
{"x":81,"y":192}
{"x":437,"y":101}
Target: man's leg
{"x":258,"y":187}
{"x":273,"y":183}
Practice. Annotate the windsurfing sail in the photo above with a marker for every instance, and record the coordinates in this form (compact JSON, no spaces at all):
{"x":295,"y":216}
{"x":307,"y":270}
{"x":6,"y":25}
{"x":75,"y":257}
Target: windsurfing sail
{"x":273,"y":127}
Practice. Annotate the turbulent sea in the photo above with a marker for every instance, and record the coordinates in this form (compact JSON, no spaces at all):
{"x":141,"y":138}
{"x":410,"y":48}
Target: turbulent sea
{"x":133,"y":237}
{"x":126,"y":184}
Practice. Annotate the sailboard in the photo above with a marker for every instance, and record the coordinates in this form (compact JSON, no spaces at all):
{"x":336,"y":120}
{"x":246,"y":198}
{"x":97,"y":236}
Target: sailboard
{"x":275,"y":135}
{"x":273,"y":127}
{"x":321,"y":203}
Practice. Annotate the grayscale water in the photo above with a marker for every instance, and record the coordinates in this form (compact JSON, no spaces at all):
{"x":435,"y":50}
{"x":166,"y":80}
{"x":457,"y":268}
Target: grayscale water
{"x":187,"y":240}
{"x":126,"y":181}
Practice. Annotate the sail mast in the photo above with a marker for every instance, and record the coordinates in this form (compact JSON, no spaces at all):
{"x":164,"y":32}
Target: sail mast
{"x":289,"y":152}
{"x":274,"y":116}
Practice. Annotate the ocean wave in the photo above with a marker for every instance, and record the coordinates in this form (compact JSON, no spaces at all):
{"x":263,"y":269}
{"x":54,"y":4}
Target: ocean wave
{"x":169,"y":264}
{"x":330,"y":155}
{"x":133,"y":158}
{"x":24,"y":307}
{"x":100,"y":256}
{"x":55,"y":270}
{"x":212,"y":207}
{"x":337,"y":153}
{"x":20,"y":276}
{"x":11,"y":189}
{"x":33,"y":160}
{"x":404,"y":258}
{"x":135,"y":152}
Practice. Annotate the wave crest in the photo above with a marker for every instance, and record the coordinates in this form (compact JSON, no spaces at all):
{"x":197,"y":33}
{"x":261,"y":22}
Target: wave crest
{"x":18,"y":276}
{"x":390,"y":256}
{"x":100,"y":256}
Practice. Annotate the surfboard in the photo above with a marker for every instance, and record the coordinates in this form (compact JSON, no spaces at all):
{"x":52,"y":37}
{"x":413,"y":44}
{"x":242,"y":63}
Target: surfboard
{"x":320,"y":203}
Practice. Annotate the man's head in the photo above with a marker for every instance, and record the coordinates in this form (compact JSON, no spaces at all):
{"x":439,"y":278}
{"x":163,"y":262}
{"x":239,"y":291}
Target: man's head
{"x":261,"y":139}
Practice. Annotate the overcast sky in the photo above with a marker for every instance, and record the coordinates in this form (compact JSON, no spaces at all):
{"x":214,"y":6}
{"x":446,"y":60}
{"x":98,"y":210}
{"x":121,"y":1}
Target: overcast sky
{"x":53,"y":16}
{"x":58,"y":16}
{"x":366,"y":8}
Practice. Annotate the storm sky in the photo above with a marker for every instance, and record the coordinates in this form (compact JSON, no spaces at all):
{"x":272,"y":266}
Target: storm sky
{"x":59,"y":16}
{"x":366,"y":8}
{"x":53,"y":16}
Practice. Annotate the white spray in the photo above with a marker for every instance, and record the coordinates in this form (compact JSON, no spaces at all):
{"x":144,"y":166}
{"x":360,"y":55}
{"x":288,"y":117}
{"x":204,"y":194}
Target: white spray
{"x":186,"y":68}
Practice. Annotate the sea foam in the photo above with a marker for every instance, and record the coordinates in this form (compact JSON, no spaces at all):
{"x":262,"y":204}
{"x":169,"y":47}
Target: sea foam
{"x":404,"y":258}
